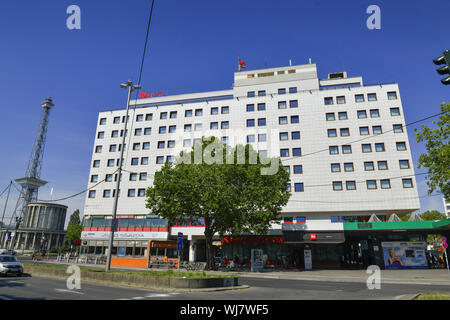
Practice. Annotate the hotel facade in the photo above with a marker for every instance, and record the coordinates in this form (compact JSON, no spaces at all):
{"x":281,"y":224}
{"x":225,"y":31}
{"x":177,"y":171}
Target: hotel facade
{"x":344,"y":143}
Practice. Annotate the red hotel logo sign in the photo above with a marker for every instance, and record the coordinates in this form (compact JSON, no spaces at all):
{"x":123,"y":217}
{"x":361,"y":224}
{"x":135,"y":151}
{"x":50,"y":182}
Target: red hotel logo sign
{"x":313,"y":236}
{"x":149,"y":95}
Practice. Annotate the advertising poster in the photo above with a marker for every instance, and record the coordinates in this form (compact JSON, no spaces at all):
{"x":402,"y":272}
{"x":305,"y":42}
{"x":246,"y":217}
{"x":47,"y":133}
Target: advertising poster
{"x":405,"y":255}
{"x":308,"y":259}
{"x":257,"y":260}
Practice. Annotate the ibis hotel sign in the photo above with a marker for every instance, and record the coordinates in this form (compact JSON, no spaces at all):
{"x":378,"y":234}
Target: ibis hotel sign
{"x":150,"y":94}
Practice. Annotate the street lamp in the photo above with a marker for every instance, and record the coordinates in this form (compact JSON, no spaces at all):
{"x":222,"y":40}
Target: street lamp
{"x":131,"y":88}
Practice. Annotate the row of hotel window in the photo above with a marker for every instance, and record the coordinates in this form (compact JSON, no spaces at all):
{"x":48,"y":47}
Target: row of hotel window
{"x":359,"y":98}
{"x":169,"y":115}
{"x":361,"y":114}
{"x":366,"y":148}
{"x":335,"y":219}
{"x":363,"y":131}
{"x":262,"y":93}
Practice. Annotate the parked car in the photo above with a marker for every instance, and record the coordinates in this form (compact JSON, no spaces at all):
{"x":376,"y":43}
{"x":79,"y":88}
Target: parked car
{"x":9,"y":252}
{"x":10,"y":265}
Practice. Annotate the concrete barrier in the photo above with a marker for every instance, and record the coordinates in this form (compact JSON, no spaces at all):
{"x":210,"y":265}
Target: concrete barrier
{"x":135,"y":280}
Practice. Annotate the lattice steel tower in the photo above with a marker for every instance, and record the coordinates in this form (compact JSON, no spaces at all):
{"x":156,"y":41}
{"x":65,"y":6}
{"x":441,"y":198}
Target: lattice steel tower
{"x":32,"y":182}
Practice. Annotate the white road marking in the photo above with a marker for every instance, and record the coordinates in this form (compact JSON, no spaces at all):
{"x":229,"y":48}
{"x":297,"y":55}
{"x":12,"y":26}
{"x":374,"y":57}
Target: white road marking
{"x":69,"y":291}
{"x":138,"y":298}
{"x":158,"y":295}
{"x":5,"y":298}
{"x":399,"y":297}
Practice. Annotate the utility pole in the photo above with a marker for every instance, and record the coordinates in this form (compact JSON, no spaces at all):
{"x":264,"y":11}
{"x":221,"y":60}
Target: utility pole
{"x":131,"y":88}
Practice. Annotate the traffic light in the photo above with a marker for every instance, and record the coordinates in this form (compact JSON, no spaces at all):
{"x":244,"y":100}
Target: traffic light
{"x":444,"y":59}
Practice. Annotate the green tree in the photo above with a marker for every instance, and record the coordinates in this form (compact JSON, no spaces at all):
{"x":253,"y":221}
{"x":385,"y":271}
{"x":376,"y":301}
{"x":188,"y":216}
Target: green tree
{"x":74,"y":218}
{"x":437,"y":158}
{"x":74,"y":228}
{"x":432,"y":239}
{"x":231,"y":198}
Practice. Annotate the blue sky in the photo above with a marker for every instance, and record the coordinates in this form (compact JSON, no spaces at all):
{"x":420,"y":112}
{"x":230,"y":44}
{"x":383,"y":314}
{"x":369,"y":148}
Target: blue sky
{"x":193,"y":47}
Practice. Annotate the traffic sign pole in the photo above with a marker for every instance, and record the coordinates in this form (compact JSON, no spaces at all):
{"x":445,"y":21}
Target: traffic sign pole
{"x":179,"y":247}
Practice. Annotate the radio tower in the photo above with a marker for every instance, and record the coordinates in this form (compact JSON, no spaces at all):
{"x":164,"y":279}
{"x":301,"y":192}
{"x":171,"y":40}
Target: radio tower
{"x":32,"y":182}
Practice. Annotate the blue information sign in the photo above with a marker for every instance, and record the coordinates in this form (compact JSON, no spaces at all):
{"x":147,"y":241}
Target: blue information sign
{"x":180,"y":242}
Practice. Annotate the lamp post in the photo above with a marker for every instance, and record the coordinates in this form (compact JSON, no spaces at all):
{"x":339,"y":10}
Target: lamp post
{"x":131,"y":88}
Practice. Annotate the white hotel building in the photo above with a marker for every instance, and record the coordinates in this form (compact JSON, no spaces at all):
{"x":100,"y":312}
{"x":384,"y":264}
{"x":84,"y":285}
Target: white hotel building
{"x":344,"y":143}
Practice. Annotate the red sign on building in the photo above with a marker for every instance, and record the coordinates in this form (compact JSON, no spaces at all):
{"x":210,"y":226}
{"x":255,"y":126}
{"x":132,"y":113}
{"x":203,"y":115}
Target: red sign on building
{"x":313,"y":236}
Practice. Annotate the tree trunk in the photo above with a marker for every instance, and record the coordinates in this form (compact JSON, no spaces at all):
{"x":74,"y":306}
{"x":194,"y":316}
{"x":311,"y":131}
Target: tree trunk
{"x":209,"y":233}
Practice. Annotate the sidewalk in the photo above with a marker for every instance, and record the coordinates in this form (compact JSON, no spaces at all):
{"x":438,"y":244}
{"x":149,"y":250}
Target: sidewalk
{"x":408,"y":276}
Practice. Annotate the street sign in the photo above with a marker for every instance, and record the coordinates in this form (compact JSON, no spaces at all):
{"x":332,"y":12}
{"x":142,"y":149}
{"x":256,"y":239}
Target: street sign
{"x":180,"y":241}
{"x":444,"y":239}
{"x":445,"y":245}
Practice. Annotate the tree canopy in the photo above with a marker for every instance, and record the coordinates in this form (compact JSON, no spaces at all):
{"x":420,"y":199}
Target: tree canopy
{"x":74,"y":228}
{"x":235,"y":190}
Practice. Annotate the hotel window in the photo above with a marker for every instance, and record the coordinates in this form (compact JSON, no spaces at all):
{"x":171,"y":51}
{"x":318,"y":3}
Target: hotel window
{"x":362,"y":114}
{"x":108,"y":178}
{"x":332,"y":133}
{"x":172,"y":129}
{"x":295,"y":135}
{"x":147,"y":131}
{"x":359,"y":98}
{"x":385,"y":184}
{"x":188,"y":127}
{"x":171,"y":144}
{"x":288,"y":188}
{"x":298,"y":187}
{"x":350,"y":185}
{"x":296,"y":152}
{"x":262,"y":137}
{"x":160,"y":160}
{"x":101,"y":135}
{"x":298,"y":169}
{"x":138,"y":132}
{"x":340,"y":100}
{"x":136,"y":146}
{"x":126,"y":132}
{"x":141,"y":192}
{"x":379,"y":147}
{"x":284,"y":153}
{"x":382,"y":165}
{"x":293,"y":90}
{"x":134,"y":161}
{"x":98,"y":149}
{"x":337,"y":185}
{"x":198,"y":127}
{"x":169,"y":159}
{"x":328,"y":101}
{"x":374,"y":113}
{"x":92,"y":194}
{"x":131,"y":193}
{"x":250,"y":122}
{"x":395,"y":112}
{"x":225,"y":139}
{"x":224,"y":125}
{"x":188,"y":113}
{"x":334,"y":150}
{"x":146,"y":146}
{"x":261,"y":93}
{"x":284,"y":136}
{"x":114,"y":133}
{"x":214,"y":110}
{"x":123,"y":119}
{"x":261,"y":106}
{"x":342,"y":115}
{"x":198,"y":112}
{"x":401,"y":146}
{"x":149,"y":116}
{"x":225,"y":110}
{"x":133,"y":176}
{"x":94,"y":178}
{"x":116,"y":120}
{"x":161,"y":144}
{"x":282,"y":120}
{"x":187,"y":143}
{"x":366,"y":148}
{"x":377,"y":130}
{"x":173,"y":115}
{"x":371,"y":184}
{"x":250,"y":94}
{"x":163,"y":115}
{"x":139,"y":117}
{"x":404,"y":164}
{"x":261,"y":122}
{"x":293,"y":104}
{"x":250,"y":107}
{"x":110,"y":163}
{"x":295,"y":119}
{"x":345,"y":132}
{"x":398,"y":128}
{"x":197,"y":141}
{"x":263,"y":153}
{"x":407,"y":183}
{"x":335,"y":167}
{"x":143,"y":176}
{"x":288,"y":219}
{"x":214,"y":125}
{"x":392,"y":95}
{"x":282,"y":91}
{"x":250,"y":138}
{"x":372,"y":97}
{"x":162,"y":130}
{"x":330,"y":117}
{"x":364,"y":131}
{"x":348,"y":167}
{"x":346,"y":149}
{"x":102,"y":121}
{"x":96,"y":163}
{"x":282,"y":105}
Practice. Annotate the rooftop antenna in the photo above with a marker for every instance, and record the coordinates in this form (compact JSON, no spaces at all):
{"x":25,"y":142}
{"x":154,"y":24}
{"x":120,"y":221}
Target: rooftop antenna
{"x":290,"y":62}
{"x":310,"y":61}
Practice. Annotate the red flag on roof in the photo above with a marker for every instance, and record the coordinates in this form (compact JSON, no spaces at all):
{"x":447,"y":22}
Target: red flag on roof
{"x":242,"y":63}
